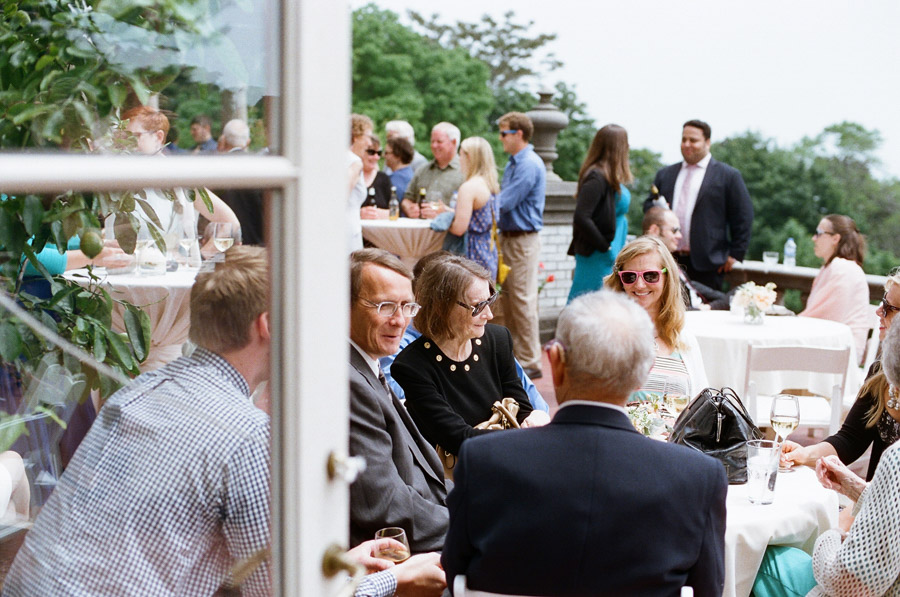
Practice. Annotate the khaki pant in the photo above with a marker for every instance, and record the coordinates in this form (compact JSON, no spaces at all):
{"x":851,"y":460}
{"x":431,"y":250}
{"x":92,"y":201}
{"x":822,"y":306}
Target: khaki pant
{"x":519,"y":298}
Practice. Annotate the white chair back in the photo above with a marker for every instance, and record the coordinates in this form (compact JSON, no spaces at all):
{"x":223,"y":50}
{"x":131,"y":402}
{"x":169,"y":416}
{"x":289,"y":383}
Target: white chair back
{"x":872,"y":341}
{"x":815,"y":411}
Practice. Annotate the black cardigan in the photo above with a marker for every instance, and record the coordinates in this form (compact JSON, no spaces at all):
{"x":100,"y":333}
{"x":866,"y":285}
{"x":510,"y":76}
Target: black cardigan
{"x":594,"y":222}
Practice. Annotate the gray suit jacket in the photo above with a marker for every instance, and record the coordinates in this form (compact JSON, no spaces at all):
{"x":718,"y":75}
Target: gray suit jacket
{"x":403,"y":484}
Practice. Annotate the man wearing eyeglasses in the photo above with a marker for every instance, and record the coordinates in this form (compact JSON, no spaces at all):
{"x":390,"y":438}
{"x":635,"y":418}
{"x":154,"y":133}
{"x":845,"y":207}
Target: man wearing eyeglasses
{"x":521,"y":204}
{"x":403,"y":484}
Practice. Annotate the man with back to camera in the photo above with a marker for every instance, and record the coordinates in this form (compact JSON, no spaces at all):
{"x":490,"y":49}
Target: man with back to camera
{"x":713,"y":207}
{"x":590,"y":492}
{"x":170,"y":487}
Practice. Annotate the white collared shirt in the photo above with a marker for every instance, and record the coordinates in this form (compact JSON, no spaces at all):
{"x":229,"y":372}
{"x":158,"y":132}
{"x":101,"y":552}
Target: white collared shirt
{"x":621,"y":409}
{"x":371,"y":362}
{"x":693,"y":191}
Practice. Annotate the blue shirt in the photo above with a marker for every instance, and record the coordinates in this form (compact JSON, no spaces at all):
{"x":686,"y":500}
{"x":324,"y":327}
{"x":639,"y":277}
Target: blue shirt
{"x":521,"y":198}
{"x":400,"y":179}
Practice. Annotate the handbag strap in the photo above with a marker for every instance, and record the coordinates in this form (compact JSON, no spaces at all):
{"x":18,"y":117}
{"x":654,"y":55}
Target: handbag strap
{"x":495,"y":242}
{"x":502,"y":408}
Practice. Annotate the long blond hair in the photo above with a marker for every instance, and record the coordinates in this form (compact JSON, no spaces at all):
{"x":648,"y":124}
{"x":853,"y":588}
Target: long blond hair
{"x":877,"y":384}
{"x":480,"y":161}
{"x":670,"y":318}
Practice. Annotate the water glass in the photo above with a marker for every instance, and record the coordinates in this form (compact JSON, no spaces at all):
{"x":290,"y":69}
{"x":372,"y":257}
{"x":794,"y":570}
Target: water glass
{"x":770,"y":257}
{"x":762,"y":470}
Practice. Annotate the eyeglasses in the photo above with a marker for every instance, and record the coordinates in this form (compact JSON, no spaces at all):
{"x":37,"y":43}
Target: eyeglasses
{"x":476,"y":309}
{"x":374,"y":152}
{"x":388,"y":308}
{"x":887,"y":307}
{"x":509,"y":132}
{"x":650,"y":276}
{"x":820,"y":232}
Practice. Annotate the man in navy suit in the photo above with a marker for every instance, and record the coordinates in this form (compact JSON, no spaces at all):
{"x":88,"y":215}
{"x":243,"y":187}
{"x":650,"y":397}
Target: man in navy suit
{"x":609,"y":511}
{"x":712,"y":204}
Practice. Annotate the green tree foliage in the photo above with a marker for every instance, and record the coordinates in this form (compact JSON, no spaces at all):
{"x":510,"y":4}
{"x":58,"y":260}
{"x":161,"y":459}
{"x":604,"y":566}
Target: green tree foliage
{"x":644,"y":165}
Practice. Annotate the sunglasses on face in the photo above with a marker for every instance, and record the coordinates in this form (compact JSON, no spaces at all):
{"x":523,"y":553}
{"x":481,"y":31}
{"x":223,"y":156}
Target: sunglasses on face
{"x":508,"y":132}
{"x":650,"y":276}
{"x":478,"y":308}
{"x":374,"y":152}
{"x":820,"y":232}
{"x":887,"y":307}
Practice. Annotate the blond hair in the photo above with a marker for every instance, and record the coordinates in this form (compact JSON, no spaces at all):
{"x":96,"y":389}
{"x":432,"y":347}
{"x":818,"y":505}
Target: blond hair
{"x":227,"y":300}
{"x":670,"y":317}
{"x":877,"y":384}
{"x":480,"y":162}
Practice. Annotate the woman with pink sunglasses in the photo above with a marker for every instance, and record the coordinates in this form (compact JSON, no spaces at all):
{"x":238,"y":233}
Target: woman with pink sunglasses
{"x":646,"y":271}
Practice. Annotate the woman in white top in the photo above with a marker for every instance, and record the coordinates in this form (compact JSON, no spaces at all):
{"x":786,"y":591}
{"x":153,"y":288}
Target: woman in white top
{"x":646,"y":271}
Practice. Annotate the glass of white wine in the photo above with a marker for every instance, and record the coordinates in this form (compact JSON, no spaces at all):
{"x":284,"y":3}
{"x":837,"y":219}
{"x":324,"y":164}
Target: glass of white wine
{"x":396,"y":550}
{"x":223,"y":236}
{"x":785,"y":416}
{"x":676,"y":398}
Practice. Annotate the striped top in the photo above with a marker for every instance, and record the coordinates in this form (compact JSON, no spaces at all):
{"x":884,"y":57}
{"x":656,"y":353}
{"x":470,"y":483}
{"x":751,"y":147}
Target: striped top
{"x":667,"y":375}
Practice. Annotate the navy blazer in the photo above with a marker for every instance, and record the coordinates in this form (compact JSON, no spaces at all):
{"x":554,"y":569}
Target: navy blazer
{"x":586,"y":506}
{"x":722,"y":218}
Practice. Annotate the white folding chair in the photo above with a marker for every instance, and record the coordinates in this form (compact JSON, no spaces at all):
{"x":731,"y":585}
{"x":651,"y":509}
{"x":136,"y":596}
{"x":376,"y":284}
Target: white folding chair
{"x":815,"y":410}
{"x":872,"y":341}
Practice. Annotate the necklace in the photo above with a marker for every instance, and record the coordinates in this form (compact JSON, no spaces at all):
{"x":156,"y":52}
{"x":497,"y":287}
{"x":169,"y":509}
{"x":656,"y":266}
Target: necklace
{"x":893,"y":401}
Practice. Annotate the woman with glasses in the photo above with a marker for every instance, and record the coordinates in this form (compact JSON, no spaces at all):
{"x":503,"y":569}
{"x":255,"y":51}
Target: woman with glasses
{"x":476,"y":203}
{"x":874,"y":419}
{"x":378,"y":184}
{"x":599,"y":225}
{"x":461,"y":365}
{"x":840,"y":291}
{"x":646,"y":271}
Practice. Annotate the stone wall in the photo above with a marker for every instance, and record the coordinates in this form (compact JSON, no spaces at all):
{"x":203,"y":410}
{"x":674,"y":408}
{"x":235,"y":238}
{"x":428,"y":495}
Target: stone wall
{"x":555,"y":238}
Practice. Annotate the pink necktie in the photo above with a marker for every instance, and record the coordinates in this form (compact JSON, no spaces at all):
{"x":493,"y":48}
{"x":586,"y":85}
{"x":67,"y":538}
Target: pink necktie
{"x":681,"y":208}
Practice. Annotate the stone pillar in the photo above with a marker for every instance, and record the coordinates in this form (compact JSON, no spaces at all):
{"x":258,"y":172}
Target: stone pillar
{"x":548,"y":121}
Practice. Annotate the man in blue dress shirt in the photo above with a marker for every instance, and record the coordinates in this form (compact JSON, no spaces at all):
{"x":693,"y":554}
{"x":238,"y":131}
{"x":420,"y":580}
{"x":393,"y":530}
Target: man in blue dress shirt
{"x":521,"y":218}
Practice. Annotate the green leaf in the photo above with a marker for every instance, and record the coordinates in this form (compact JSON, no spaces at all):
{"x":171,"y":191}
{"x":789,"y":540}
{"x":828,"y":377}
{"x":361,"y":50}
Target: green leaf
{"x":12,"y":427}
{"x":12,"y":233}
{"x":140,"y":90}
{"x":10,"y":342}
{"x":33,"y":215}
{"x":157,"y":238}
{"x":64,"y":298}
{"x":51,"y":414}
{"x":119,"y":350}
{"x":35,"y":262}
{"x":99,"y":348}
{"x":151,"y":213}
{"x":138,"y":329}
{"x":126,"y":231}
{"x":117,"y":94}
{"x":207,"y":201}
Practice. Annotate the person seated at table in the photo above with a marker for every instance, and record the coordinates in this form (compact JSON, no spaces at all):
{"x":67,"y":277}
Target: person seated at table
{"x":646,"y":271}
{"x":411,"y":334}
{"x":874,"y":419}
{"x":840,"y":291}
{"x":861,"y":556}
{"x":461,"y":365}
{"x":398,"y":156}
{"x":476,"y":203}
{"x":378,"y":184}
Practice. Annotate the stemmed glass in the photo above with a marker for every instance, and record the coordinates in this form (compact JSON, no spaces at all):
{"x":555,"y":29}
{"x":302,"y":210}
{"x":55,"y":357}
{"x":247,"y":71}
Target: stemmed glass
{"x":785,"y":417}
{"x":223,"y":236}
{"x":394,"y":551}
{"x":676,"y":399}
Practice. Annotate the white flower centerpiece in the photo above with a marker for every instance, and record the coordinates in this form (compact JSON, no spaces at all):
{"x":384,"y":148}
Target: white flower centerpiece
{"x":647,"y":417}
{"x":755,"y":300}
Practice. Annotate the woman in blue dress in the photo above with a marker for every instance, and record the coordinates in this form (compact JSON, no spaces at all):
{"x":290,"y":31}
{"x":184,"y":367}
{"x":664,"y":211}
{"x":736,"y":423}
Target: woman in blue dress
{"x":600,"y":226}
{"x":476,"y":202}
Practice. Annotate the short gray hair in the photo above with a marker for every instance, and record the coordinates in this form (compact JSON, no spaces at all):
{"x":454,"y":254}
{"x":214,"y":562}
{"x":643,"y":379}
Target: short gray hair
{"x":449,"y":129}
{"x":236,"y":133}
{"x":608,"y":340}
{"x":402,"y":128}
{"x":890,"y":355}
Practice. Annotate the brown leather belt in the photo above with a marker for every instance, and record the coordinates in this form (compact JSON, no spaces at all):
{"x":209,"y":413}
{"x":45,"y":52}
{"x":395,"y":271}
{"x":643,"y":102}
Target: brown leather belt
{"x":517,"y":232}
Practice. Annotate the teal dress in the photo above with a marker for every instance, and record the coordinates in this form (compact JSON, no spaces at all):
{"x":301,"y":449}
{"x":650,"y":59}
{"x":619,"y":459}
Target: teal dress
{"x":591,"y":269}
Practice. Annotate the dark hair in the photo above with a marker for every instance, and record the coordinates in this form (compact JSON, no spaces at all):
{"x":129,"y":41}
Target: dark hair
{"x":441,"y":285}
{"x":699,"y":124}
{"x":655,"y":216}
{"x":423,"y":263}
{"x":517,"y":121}
{"x":202,"y":120}
{"x":402,"y":148}
{"x":608,"y":154}
{"x":359,"y":259}
{"x":852,"y":245}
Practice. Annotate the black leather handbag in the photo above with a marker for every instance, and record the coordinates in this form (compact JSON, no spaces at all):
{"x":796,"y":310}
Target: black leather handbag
{"x":717,"y":424}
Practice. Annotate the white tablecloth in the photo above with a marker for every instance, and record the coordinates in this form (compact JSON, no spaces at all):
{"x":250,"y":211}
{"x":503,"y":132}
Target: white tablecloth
{"x":165,"y":299}
{"x":408,"y":238}
{"x":802,"y":510}
{"x":724,"y":338}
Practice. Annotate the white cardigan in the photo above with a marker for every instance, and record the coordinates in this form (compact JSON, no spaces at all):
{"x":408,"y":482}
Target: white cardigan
{"x":693,"y":362}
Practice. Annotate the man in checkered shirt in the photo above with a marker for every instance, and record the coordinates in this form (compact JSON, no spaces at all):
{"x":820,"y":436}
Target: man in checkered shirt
{"x":171,"y":485}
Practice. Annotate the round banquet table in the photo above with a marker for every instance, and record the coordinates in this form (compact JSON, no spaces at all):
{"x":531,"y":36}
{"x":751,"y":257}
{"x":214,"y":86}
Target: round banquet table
{"x":724,"y":338}
{"x":801,"y":511}
{"x":407,"y":238}
{"x":165,"y":299}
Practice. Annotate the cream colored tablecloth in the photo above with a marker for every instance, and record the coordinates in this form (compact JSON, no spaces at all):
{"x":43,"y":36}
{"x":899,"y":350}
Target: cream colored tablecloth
{"x":407,"y":238}
{"x":166,"y":299}
{"x":724,"y":338}
{"x":802,"y":510}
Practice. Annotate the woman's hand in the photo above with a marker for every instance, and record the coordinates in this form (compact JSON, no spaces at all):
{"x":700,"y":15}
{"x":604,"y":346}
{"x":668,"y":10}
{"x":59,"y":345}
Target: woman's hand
{"x":362,"y":554}
{"x":793,"y":453}
{"x":370,"y":212}
{"x":833,"y":474}
{"x":537,"y":418}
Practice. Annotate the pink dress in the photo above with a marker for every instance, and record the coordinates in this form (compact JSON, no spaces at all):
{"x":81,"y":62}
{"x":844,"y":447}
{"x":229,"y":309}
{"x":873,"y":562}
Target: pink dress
{"x":840,"y":293}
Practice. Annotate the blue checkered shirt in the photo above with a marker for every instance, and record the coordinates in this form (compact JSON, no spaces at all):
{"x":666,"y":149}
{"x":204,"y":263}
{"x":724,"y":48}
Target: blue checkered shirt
{"x":380,"y":584}
{"x":168,"y":489}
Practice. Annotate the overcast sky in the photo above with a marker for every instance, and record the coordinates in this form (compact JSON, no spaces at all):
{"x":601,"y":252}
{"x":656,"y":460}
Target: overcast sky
{"x":784,"y":68}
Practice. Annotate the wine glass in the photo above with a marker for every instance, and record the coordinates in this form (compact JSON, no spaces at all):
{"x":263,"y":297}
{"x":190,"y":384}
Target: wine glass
{"x":785,"y":416}
{"x":396,"y":550}
{"x":676,"y":398}
{"x":223,"y":236}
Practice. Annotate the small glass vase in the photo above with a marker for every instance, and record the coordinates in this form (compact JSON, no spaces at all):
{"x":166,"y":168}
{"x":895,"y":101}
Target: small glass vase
{"x":754,"y":315}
